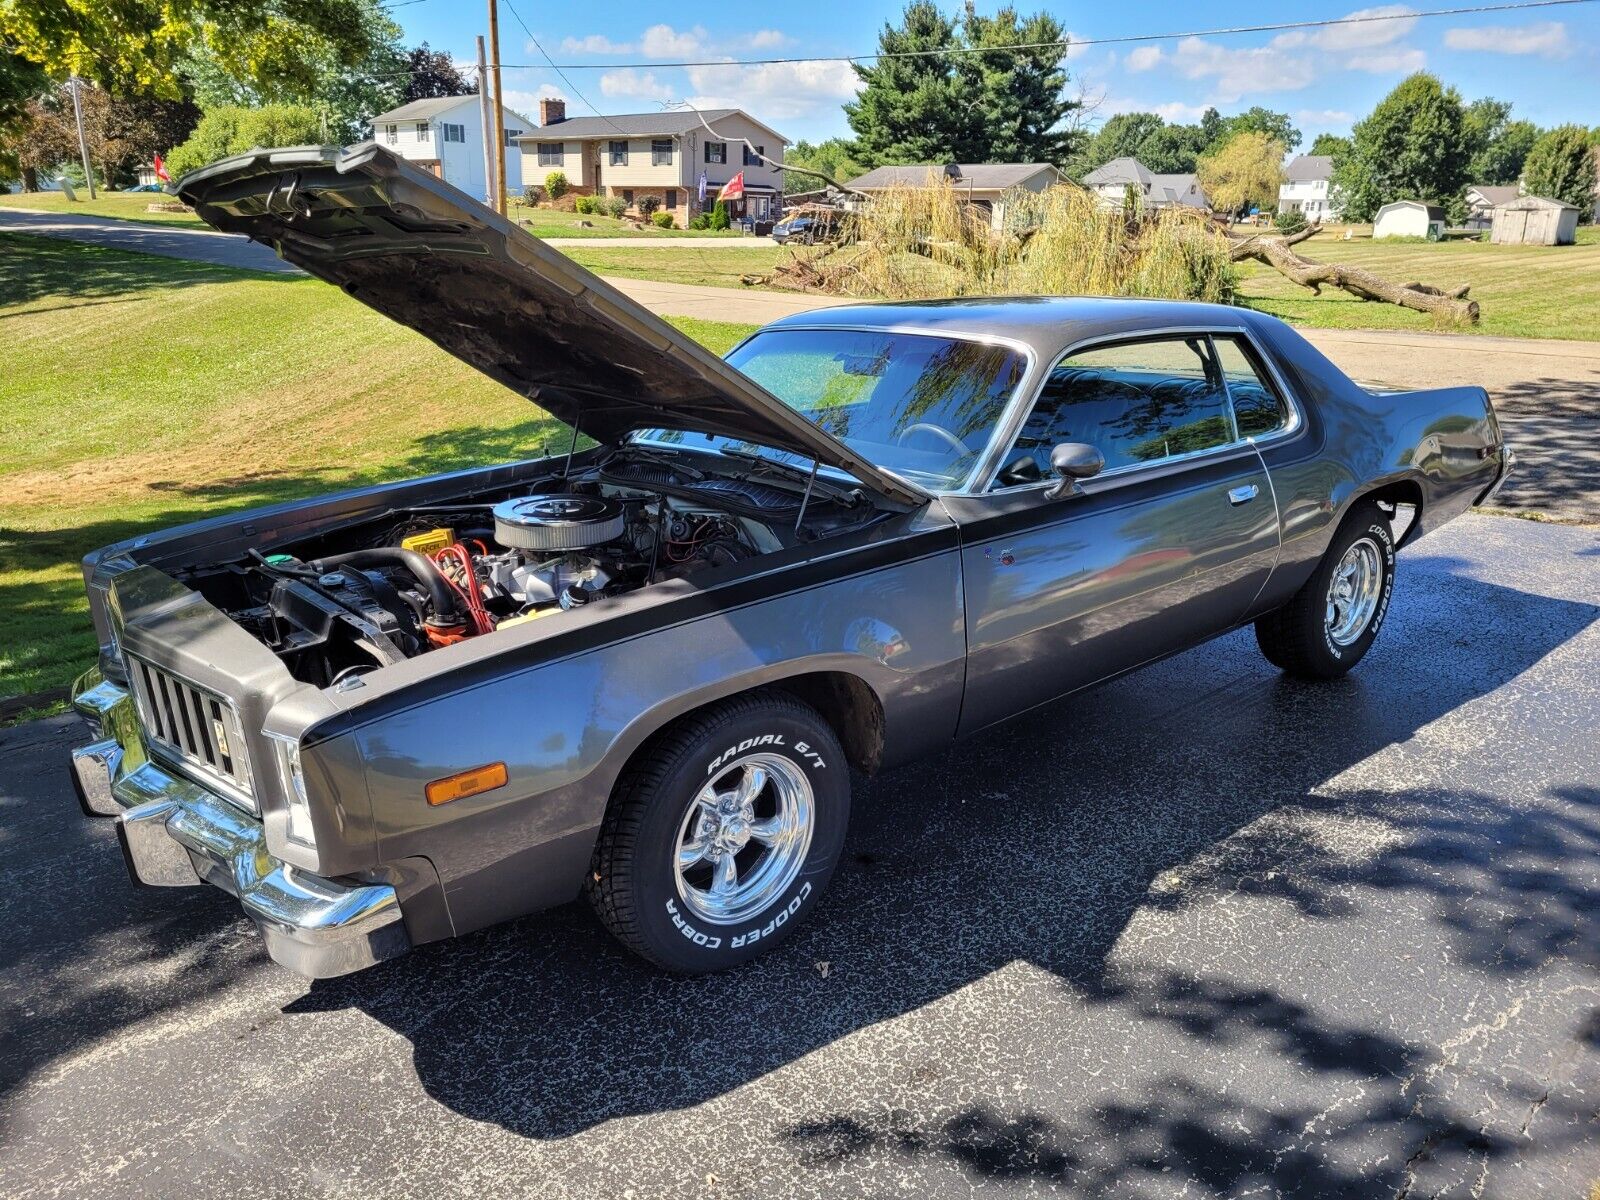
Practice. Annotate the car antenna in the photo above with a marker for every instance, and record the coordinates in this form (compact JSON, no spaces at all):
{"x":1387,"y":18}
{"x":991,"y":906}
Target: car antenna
{"x":811,"y":479}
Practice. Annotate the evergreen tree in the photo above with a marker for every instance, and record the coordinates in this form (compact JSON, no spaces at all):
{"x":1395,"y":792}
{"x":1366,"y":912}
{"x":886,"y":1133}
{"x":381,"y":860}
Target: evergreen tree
{"x":1020,"y":112}
{"x":1413,"y":146}
{"x":1561,"y":166}
{"x":910,"y":110}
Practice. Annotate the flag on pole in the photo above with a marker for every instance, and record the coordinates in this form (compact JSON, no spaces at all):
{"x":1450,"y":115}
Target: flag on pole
{"x":161,"y":171}
{"x":733,"y":189}
{"x":702,"y":195}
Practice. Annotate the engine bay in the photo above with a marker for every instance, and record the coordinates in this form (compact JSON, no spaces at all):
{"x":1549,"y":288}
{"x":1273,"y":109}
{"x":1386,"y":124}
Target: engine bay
{"x":350,"y":600}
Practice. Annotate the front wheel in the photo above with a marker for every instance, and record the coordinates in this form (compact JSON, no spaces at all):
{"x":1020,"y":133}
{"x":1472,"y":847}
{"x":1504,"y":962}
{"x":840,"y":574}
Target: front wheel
{"x":1332,"y":621}
{"x":722,"y":834}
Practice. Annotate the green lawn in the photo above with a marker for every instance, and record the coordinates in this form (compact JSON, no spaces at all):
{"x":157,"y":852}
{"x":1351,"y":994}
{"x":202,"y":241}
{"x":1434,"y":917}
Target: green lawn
{"x":553,"y":223}
{"x":709,"y":266}
{"x":1524,"y":291}
{"x":119,"y":206}
{"x":141,"y":392}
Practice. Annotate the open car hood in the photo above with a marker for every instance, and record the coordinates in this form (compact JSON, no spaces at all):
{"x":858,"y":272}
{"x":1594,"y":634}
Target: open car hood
{"x":427,"y":255}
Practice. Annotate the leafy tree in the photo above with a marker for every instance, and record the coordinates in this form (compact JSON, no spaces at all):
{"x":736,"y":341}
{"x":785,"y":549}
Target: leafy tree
{"x":433,"y":74}
{"x":910,"y":110}
{"x":233,"y":129}
{"x":44,"y":138}
{"x":1246,"y":169}
{"x":1330,"y":144}
{"x":1120,"y":137}
{"x":120,"y":133}
{"x":1498,"y":145}
{"x":1276,"y":125}
{"x":138,"y":45}
{"x":836,"y":158}
{"x":1019,"y":111}
{"x":1561,"y":166}
{"x":1413,"y":146}
{"x":1173,"y":149}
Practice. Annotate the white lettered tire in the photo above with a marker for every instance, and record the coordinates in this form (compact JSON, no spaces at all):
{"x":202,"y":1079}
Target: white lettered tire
{"x":722,"y":834}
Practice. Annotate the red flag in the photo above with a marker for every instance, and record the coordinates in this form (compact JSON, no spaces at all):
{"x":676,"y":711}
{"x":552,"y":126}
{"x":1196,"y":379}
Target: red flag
{"x":733,"y":189}
{"x":161,"y":171}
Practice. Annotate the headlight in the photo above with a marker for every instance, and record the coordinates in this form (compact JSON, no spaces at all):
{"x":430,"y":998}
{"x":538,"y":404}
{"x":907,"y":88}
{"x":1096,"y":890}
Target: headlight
{"x":294,"y":790}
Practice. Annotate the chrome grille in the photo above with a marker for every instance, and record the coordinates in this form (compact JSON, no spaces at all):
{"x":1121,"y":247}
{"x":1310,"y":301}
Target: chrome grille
{"x":194,"y":725}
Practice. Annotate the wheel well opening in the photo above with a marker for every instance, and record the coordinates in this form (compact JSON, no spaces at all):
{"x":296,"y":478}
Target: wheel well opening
{"x":850,"y":707}
{"x":1402,"y":500}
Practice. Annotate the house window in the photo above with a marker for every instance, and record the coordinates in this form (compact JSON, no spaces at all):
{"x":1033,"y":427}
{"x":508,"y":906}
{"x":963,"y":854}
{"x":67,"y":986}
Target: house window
{"x":511,"y":138}
{"x":716,"y":152}
{"x":551,"y":154}
{"x":753,"y":158}
{"x":671,"y":201}
{"x":422,"y":131}
{"x":391,"y":134}
{"x":452,"y":133}
{"x":619,"y":154}
{"x":661,"y":152}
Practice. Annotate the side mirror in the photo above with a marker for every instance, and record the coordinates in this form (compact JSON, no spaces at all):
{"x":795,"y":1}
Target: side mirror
{"x":1073,"y":461}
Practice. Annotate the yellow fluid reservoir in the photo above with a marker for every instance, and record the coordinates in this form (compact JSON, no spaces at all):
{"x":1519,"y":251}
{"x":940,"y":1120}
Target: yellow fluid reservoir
{"x":529,"y":616}
{"x":429,"y":543}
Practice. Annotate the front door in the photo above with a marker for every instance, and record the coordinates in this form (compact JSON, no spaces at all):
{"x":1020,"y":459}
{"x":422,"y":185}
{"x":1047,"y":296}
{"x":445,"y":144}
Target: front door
{"x":1168,"y":546}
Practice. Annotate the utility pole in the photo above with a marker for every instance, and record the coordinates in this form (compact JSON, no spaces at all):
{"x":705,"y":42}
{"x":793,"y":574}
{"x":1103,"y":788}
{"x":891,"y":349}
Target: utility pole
{"x":499,"y":111}
{"x":488,"y":123}
{"x":83,"y":144}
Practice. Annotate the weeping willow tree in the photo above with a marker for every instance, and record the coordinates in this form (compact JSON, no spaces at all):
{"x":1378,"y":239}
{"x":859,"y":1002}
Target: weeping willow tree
{"x":912,"y":243}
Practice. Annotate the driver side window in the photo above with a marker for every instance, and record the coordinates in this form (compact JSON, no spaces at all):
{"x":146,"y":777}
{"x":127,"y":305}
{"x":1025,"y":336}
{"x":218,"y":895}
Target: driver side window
{"x":1136,"y":402}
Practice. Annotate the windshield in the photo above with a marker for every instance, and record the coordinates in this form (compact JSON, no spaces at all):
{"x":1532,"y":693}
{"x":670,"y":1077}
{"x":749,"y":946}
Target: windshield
{"x":919,"y":405}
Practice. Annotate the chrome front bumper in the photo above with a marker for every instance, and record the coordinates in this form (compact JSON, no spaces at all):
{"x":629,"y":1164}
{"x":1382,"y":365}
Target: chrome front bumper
{"x":175,"y":833}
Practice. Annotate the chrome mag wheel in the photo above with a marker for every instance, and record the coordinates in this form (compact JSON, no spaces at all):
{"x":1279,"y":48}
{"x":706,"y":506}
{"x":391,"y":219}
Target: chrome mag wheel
{"x":744,"y":838}
{"x":1354,"y":590}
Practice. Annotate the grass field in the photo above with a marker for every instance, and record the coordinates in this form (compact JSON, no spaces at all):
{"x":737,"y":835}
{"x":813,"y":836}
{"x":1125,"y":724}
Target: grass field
{"x":708,"y":266}
{"x":119,"y":206}
{"x":553,"y":223}
{"x":142,"y":392}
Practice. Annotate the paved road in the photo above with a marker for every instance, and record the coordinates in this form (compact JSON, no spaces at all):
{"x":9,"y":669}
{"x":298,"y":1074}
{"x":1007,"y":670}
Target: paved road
{"x":665,"y":243}
{"x":1548,"y":392}
{"x":1204,"y":932}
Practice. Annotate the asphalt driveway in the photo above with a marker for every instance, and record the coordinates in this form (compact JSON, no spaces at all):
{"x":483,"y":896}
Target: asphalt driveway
{"x":1204,"y":932}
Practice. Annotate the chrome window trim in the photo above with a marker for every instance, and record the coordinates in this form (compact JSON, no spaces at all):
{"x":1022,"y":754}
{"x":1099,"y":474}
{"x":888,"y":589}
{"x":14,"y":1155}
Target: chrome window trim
{"x":1166,"y":333}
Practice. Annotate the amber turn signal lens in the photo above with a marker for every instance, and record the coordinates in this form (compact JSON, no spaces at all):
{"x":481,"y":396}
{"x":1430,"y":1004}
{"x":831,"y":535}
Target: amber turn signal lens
{"x":467,"y":783}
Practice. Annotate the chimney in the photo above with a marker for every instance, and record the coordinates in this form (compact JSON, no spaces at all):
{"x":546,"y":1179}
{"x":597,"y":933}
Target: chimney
{"x":552,"y":112}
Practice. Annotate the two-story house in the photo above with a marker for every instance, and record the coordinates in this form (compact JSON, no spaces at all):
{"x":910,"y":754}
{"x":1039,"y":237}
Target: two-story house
{"x":1306,"y":187}
{"x":1156,"y":190}
{"x":445,"y":135}
{"x":662,"y":154}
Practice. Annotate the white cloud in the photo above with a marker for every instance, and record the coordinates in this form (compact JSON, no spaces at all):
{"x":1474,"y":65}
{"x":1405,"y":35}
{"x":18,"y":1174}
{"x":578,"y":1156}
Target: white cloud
{"x":767,"y":39}
{"x":1144,"y":58}
{"x":1323,"y":118}
{"x":1399,"y":20}
{"x":594,"y":43}
{"x":1235,"y":73}
{"x":1402,"y":60}
{"x":527,"y":103}
{"x":1075,"y":47}
{"x":634,"y":83}
{"x":1546,"y":38}
{"x":1176,"y":113}
{"x":774,"y":91}
{"x":663,"y":41}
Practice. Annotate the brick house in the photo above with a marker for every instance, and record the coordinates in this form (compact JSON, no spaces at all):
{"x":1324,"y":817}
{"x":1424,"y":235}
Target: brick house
{"x":662,"y":154}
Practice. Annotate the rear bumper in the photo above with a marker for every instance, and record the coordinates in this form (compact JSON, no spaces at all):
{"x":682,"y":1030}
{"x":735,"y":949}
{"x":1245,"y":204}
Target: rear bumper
{"x":1508,"y":461}
{"x":175,"y":833}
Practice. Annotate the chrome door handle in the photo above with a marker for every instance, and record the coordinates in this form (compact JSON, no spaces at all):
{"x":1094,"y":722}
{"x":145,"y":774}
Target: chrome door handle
{"x":1243,"y":494}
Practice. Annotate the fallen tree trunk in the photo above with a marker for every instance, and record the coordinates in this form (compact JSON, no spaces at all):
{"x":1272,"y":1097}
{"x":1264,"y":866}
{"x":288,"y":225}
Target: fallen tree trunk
{"x":1275,"y":252}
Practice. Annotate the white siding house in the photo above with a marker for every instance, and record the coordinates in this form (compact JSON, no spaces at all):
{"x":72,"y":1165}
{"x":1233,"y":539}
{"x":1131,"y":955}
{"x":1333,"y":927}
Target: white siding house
{"x":1307,"y":184}
{"x":985,"y":185}
{"x":1112,"y":181}
{"x":1409,"y":218}
{"x":445,"y":135}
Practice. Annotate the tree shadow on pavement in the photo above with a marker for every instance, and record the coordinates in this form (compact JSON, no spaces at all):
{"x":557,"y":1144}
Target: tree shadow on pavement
{"x":1554,"y":426}
{"x":1041,"y":843}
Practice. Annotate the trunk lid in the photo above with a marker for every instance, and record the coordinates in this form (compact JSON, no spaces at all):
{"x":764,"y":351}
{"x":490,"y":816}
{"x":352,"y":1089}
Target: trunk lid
{"x":427,"y":255}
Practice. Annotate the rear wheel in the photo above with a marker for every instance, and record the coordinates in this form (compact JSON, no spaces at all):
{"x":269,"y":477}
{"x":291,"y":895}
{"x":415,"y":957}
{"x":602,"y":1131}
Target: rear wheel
{"x":1332,"y":621}
{"x":722,"y":834}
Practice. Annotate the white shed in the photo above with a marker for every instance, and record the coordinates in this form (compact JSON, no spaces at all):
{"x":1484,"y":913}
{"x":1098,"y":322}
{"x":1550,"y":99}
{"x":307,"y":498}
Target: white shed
{"x":1534,"y":221}
{"x":1409,"y":218}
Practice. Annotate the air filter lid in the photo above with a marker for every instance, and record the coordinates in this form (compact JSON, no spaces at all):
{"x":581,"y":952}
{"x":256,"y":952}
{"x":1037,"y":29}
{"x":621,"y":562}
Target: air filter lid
{"x":558,"y":522}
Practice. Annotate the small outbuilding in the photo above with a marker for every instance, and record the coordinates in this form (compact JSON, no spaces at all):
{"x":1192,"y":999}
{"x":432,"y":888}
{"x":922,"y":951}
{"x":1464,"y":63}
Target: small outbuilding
{"x":1534,"y":221}
{"x":1409,"y":218}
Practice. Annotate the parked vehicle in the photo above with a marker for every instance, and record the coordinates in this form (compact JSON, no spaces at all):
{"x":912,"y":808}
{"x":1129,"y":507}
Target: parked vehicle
{"x":805,"y":230}
{"x":646,"y":670}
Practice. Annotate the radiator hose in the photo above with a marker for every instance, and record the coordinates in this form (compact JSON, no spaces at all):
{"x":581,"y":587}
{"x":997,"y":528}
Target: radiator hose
{"x":446,"y":612}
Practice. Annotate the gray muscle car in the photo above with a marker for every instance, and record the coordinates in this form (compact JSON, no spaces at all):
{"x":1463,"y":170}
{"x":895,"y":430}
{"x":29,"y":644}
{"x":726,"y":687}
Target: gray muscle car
{"x":645,"y":667}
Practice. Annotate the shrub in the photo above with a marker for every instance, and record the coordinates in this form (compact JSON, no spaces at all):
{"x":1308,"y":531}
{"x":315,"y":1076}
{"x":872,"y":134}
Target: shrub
{"x":663,"y":220}
{"x":587,"y":205}
{"x":614,"y":206}
{"x":719,"y":216}
{"x":648,"y":203}
{"x":555,"y":184}
{"x":700,"y":221}
{"x":1289,"y":222}
{"x":533,"y":195}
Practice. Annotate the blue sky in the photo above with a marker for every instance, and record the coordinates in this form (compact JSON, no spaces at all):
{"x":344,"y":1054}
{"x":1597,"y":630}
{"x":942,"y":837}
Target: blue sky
{"x":1545,"y":60}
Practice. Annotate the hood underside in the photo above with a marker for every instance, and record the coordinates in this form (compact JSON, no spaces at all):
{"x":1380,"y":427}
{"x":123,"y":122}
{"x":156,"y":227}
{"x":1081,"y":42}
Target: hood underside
{"x":426,"y":255}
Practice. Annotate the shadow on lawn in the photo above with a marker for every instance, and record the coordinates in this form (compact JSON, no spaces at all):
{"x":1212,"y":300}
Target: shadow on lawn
{"x":92,"y":275}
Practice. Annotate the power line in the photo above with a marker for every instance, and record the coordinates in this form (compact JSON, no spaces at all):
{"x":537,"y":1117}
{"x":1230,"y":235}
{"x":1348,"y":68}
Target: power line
{"x":1281,"y":27}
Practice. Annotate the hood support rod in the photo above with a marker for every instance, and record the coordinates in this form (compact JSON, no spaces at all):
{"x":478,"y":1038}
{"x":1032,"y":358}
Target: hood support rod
{"x":805,"y":500}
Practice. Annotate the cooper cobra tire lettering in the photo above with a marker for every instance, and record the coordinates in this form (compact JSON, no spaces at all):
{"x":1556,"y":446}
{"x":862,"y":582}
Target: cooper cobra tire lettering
{"x":788,"y":910}
{"x":708,"y":940}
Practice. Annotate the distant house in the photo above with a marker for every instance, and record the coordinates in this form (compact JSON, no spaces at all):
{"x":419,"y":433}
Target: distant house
{"x":982,"y":184}
{"x":1409,"y":218}
{"x":1534,"y":221}
{"x":445,"y":135}
{"x":1307,"y":187}
{"x":1482,"y":199}
{"x":660,"y":154}
{"x":1112,"y":181}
